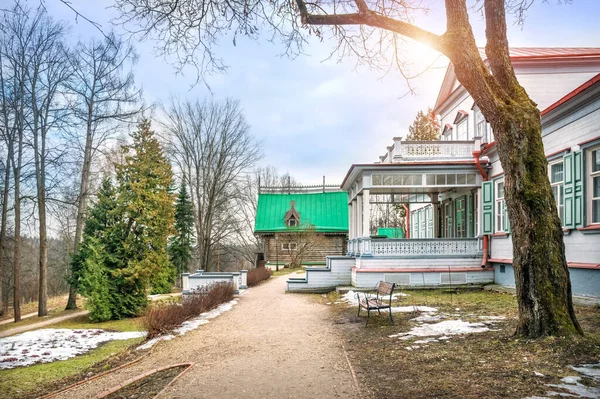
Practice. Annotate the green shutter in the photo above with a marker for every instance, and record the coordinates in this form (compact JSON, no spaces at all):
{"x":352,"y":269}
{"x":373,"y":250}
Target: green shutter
{"x":470,"y":215}
{"x":569,"y":221}
{"x":487,"y":207}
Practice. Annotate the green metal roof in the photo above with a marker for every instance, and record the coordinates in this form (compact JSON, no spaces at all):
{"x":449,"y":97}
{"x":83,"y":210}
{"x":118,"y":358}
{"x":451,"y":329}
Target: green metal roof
{"x":328,"y":212}
{"x":390,"y":232}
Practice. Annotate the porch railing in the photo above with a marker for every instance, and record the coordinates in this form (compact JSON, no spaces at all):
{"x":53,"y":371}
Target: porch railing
{"x":436,"y":149}
{"x":415,"y":247}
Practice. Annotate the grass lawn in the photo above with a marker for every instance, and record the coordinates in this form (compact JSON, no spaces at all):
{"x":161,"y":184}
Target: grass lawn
{"x":23,"y":382}
{"x":491,"y":364}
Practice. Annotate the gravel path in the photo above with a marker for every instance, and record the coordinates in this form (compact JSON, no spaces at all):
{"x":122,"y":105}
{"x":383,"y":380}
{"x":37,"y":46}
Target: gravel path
{"x":270,"y":345}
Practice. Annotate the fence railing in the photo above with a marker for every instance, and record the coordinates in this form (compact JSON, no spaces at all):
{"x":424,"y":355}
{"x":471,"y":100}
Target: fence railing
{"x":436,"y":149}
{"x":414,"y":247}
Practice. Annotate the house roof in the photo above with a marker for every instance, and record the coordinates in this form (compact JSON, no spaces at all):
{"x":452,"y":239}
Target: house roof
{"x":327,"y":212}
{"x":572,"y":94}
{"x":518,"y":54}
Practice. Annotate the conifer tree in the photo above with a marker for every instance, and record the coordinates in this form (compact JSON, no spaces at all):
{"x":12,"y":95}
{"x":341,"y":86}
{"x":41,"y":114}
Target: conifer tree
{"x":182,"y":244}
{"x":424,"y":127}
{"x":147,"y":213}
{"x":124,"y":249}
{"x":90,"y":265}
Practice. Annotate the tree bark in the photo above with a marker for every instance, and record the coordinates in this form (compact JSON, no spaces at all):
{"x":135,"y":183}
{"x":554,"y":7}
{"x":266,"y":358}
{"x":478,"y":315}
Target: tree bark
{"x":83,"y":201}
{"x":4,"y":275}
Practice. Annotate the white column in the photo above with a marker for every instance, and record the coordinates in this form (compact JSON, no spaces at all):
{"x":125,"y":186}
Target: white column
{"x":244,"y":282}
{"x":185,"y":281}
{"x":366,"y":214}
{"x":350,"y":220}
{"x":359,"y":219}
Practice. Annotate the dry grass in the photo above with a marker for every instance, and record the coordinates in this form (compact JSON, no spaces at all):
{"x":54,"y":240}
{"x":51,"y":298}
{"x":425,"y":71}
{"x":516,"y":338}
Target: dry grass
{"x":493,"y":364}
{"x":162,"y":319}
{"x":55,"y":302}
{"x":255,"y":276}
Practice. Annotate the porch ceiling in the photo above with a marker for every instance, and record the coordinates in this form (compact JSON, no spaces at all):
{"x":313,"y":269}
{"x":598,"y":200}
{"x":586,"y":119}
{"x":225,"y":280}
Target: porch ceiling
{"x":357,"y":171}
{"x":419,"y":189}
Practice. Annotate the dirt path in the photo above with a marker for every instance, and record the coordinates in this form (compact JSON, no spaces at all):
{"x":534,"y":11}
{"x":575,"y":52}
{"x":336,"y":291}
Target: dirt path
{"x":270,"y":345}
{"x":11,"y":320}
{"x":44,"y":323}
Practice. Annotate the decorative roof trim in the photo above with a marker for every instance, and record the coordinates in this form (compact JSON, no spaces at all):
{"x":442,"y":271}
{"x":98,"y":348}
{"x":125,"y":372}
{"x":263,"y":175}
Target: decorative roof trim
{"x":460,"y":116}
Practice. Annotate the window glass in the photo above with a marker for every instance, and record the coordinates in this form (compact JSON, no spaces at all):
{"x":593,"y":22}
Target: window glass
{"x":556,"y":180}
{"x":556,"y":172}
{"x":500,"y":207}
{"x":376,"y":180}
{"x":594,"y":186}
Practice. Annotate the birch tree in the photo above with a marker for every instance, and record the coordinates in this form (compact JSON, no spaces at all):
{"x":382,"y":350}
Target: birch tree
{"x":374,"y":32}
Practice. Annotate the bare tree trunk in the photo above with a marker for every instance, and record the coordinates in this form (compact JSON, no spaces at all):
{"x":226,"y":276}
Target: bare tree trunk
{"x":17,"y":248}
{"x":4,"y":279}
{"x":81,"y":206}
{"x":40,"y":172}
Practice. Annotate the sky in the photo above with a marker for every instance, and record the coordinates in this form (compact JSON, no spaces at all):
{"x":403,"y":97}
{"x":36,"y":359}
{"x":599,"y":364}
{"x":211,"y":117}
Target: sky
{"x":316,"y":117}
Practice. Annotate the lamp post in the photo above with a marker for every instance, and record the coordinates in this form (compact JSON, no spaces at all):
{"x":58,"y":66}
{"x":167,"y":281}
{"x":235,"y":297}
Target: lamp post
{"x":276,"y":254}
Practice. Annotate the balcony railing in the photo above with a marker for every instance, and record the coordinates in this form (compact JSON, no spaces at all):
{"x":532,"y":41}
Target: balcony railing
{"x":416,"y":247}
{"x":415,"y":150}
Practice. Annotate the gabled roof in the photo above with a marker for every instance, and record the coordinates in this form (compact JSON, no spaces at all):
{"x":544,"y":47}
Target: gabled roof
{"x":518,"y":54}
{"x":572,"y":94}
{"x":327,"y":212}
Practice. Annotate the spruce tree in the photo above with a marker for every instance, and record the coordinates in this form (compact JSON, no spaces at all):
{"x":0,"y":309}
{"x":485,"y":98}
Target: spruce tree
{"x":123,"y":256}
{"x":91,"y":269}
{"x":181,"y":245}
{"x":147,"y":213}
{"x":424,"y":127}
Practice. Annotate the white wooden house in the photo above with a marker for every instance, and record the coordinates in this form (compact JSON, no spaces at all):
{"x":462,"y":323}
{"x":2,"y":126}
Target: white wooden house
{"x":459,"y":232}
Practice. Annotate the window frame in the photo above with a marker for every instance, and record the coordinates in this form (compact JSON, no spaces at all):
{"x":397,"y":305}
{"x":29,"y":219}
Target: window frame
{"x":590,"y":176}
{"x":464,"y":121}
{"x":499,"y":208}
{"x":290,"y":220}
{"x":561,"y":189}
{"x":289,"y":246}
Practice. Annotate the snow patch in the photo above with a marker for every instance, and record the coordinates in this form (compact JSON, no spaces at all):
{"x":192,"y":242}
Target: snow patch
{"x":428,"y":318}
{"x":447,"y":327}
{"x":573,"y":385}
{"x":52,"y":344}
{"x":191,"y":324}
{"x":350,"y":297}
{"x":409,"y":309}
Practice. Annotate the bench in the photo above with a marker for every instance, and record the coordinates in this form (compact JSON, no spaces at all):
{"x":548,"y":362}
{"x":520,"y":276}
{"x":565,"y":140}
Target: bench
{"x":381,"y":300}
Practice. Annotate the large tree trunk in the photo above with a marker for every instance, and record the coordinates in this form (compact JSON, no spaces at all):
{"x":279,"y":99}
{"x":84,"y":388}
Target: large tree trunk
{"x":539,"y":262}
{"x":82,"y":204}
